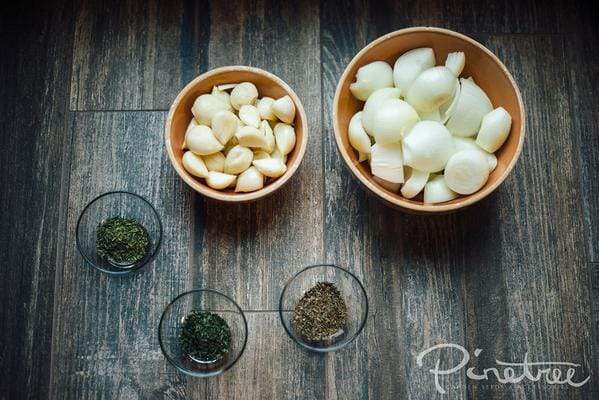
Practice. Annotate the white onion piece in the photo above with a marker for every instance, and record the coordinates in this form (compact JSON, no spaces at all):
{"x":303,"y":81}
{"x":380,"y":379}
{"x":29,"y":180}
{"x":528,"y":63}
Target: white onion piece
{"x":363,"y":156}
{"x":472,"y":105}
{"x":249,"y":136}
{"x":428,"y":146}
{"x":261,"y":155}
{"x":244,"y":93}
{"x":386,"y":162}
{"x":284,"y":109}
{"x":205,"y":106}
{"x":215,"y":162}
{"x":390,"y":186}
{"x":224,"y":125}
{"x":448,"y":108}
{"x":202,"y":141}
{"x":226,"y":86}
{"x":250,"y":180}
{"x":221,"y":94}
{"x":437,"y":191}
{"x":219,"y":181}
{"x":410,"y":64}
{"x":434,"y":115}
{"x":284,"y":137}
{"x":494,"y":129}
{"x":431,"y":89}
{"x":270,"y":167}
{"x":393,"y":120}
{"x":270,"y":137}
{"x":249,"y":115}
{"x":194,"y":164}
{"x":373,"y":103}
{"x":469,"y":144}
{"x":414,"y":184}
{"x":358,"y":138}
{"x":467,"y":171}
{"x":371,"y":77}
{"x":238,"y":160}
{"x":455,"y":62}
{"x":265,"y":108}
{"x":192,"y":124}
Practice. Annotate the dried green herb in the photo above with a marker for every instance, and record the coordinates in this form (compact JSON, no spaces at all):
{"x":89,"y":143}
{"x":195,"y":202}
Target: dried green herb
{"x":205,"y":336}
{"x":122,"y":240}
{"x":321,"y":313}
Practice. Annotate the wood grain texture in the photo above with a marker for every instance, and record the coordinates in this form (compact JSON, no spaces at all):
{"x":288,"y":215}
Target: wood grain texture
{"x":105,"y":343}
{"x":132,"y":55}
{"x":34,"y":86}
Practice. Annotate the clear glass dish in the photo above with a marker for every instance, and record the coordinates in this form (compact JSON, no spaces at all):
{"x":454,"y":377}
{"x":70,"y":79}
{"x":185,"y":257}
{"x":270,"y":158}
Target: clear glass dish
{"x":351,"y":291}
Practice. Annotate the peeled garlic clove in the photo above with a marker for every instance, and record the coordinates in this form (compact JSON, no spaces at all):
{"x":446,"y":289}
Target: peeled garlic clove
{"x":215,"y":162}
{"x":192,"y":124}
{"x":467,"y":171}
{"x":386,"y":162}
{"x":431,"y":89}
{"x":494,"y":130}
{"x":278,"y":155}
{"x":428,"y":146}
{"x":194,"y":165}
{"x":250,"y":115}
{"x":284,"y":137}
{"x":390,"y":186}
{"x":437,"y":191}
{"x":469,"y":144}
{"x":414,"y":184}
{"x":218,"y":180}
{"x":238,"y":160}
{"x":270,"y":167}
{"x":372,"y":105}
{"x":244,"y":93}
{"x":472,"y":105}
{"x":224,"y":125}
{"x":410,"y":64}
{"x":270,"y":137}
{"x":202,"y":141}
{"x":284,"y":109}
{"x":265,"y":108}
{"x":249,"y":136}
{"x":448,"y":108}
{"x":222,"y":95}
{"x":371,"y":77}
{"x":260,"y":155}
{"x":393,"y":120}
{"x":230,"y":144}
{"x":358,"y":137}
{"x":455,"y":62}
{"x":250,"y":180}
{"x":205,"y":106}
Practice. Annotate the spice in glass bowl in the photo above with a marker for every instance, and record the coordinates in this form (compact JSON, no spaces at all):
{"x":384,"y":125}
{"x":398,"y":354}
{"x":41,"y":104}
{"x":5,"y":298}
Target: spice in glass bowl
{"x":321,"y":313}
{"x":205,"y":337}
{"x":122,"y":241}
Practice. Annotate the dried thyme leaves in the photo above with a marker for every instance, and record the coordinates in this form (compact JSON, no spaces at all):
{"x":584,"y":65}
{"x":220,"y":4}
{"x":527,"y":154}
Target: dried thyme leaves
{"x":122,"y":240}
{"x":321,"y":313}
{"x":205,"y":336}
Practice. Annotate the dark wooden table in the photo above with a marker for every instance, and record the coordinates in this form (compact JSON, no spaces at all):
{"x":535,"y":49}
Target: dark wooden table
{"x":85,"y":87}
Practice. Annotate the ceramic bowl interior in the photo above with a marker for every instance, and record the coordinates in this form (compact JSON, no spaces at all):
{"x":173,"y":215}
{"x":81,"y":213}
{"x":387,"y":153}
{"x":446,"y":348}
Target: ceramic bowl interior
{"x":486,"y":69}
{"x":180,"y":115}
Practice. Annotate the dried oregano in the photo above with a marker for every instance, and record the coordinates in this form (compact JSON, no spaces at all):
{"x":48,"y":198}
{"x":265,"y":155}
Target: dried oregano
{"x":321,"y":313}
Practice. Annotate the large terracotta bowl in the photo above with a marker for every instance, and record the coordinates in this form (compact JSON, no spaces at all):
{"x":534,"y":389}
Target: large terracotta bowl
{"x":180,"y":115}
{"x":486,"y":69}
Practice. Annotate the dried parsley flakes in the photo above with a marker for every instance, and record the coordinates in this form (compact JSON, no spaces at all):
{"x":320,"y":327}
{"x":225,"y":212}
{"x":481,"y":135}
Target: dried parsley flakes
{"x":205,"y":336}
{"x":122,"y":240}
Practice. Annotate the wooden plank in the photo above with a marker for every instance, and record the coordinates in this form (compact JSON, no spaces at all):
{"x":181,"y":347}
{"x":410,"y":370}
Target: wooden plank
{"x":34,"y":87}
{"x":143,"y":53}
{"x":106,"y":342}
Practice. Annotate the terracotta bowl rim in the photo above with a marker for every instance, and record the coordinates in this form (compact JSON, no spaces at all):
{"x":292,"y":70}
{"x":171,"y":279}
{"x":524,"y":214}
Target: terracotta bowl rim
{"x":232,"y":196}
{"x":464,"y":201}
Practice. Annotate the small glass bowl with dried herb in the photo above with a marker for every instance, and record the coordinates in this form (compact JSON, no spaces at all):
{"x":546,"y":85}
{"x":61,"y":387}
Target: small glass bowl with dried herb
{"x":119,"y":232}
{"x":323,"y":307}
{"x":202,"y":332}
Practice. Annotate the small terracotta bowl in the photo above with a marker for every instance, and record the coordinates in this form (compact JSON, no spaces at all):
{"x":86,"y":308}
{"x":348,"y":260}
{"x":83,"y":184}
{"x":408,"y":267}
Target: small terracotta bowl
{"x":486,"y":69}
{"x":180,"y":114}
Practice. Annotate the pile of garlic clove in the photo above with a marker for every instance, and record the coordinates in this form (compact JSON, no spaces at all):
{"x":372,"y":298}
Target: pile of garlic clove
{"x":237,"y":140}
{"x":425,"y":128}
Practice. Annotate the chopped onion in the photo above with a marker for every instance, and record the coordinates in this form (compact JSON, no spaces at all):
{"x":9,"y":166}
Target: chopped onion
{"x":467,"y":171}
{"x":414,"y":184}
{"x":469,"y":144}
{"x":494,"y":129}
{"x":437,"y":191}
{"x":428,"y":146}
{"x":455,"y":62}
{"x":372,"y":105}
{"x":393,"y":120}
{"x":410,"y":64}
{"x":473,"y":104}
{"x":431,"y":89}
{"x":448,"y":108}
{"x":358,"y":137}
{"x":390,"y":186}
{"x":371,"y":77}
{"x":386,"y":162}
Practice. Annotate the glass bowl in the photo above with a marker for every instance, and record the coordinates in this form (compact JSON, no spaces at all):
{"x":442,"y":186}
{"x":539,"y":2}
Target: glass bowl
{"x":117,"y":204}
{"x":352,"y":292}
{"x":172,"y":322}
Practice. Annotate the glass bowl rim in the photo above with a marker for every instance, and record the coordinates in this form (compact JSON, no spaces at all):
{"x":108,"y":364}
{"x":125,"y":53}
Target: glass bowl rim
{"x":137,"y":267}
{"x":329,"y":348}
{"x":185,"y":370}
